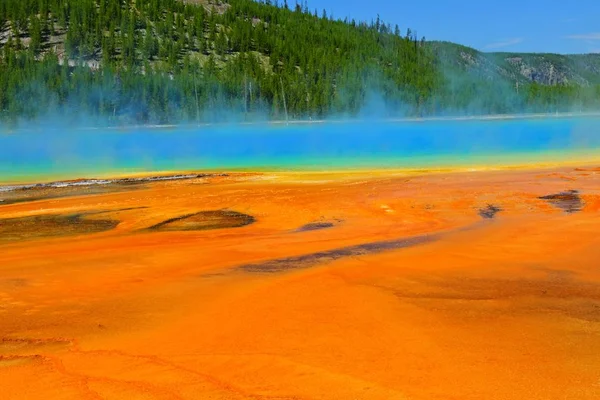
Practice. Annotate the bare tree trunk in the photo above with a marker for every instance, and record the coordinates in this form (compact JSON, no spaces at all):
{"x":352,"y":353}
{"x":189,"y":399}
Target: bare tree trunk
{"x":287,"y":119}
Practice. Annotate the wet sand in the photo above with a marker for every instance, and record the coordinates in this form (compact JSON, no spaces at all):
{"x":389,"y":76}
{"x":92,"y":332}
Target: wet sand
{"x":369,"y":285}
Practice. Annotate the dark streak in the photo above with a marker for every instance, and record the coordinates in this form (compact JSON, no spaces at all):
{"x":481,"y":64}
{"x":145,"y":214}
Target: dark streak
{"x":56,"y":190}
{"x":205,"y":220}
{"x":37,"y":194}
{"x":315,"y":226}
{"x":323,"y":257}
{"x":100,"y":182}
{"x":569,"y":201}
{"x":489,"y":211}
{"x":52,"y":225}
{"x":116,"y":210}
{"x":129,"y":181}
{"x":170,"y":221}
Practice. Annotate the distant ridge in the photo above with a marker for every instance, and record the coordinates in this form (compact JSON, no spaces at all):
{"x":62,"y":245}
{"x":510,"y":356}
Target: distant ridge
{"x":542,"y":68}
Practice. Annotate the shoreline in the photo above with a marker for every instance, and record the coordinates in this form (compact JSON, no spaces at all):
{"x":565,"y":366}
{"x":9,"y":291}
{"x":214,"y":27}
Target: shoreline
{"x":325,"y":121}
{"x":125,"y":178}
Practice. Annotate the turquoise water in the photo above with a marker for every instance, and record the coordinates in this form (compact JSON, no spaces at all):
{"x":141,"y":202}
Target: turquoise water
{"x":48,"y":152}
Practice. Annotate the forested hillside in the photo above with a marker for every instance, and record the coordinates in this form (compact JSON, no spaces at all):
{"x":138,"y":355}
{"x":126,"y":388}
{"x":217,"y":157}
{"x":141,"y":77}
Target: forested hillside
{"x":166,"y":61}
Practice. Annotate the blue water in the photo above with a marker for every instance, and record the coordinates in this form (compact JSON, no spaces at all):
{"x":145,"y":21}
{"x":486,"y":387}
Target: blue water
{"x":72,"y":153}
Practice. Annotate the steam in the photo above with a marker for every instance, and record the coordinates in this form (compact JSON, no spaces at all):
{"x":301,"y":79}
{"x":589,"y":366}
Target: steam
{"x":376,"y":125}
{"x":457,"y":92}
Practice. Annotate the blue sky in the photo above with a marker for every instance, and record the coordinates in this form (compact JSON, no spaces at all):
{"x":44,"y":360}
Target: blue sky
{"x":488,"y":25}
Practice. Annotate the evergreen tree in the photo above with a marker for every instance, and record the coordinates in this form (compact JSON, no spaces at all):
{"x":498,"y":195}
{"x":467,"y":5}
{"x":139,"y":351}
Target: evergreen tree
{"x":171,"y":58}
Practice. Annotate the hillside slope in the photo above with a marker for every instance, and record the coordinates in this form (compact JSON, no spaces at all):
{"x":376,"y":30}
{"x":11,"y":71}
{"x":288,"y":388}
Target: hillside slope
{"x":170,"y":60}
{"x":546,"y":69}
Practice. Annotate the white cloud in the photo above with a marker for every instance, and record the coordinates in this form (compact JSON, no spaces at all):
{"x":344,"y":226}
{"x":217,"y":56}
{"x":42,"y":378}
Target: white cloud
{"x":586,"y":36}
{"x":504,"y":43}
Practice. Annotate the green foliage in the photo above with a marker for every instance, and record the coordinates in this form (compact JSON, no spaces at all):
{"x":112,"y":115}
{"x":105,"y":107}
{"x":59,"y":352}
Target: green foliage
{"x":166,"y":61}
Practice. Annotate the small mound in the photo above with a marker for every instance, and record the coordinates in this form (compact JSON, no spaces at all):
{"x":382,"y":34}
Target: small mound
{"x":569,"y":201}
{"x":52,"y":225}
{"x":315,"y":226}
{"x":205,"y":220}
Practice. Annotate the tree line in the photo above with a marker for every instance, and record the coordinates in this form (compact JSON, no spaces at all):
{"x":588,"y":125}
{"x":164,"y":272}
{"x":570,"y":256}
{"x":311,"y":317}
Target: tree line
{"x":166,"y":61}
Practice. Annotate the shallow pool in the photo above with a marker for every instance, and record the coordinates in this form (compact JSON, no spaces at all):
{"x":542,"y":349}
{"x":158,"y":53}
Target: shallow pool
{"x":47,"y":153}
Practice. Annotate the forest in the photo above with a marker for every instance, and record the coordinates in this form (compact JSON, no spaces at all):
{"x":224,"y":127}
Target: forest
{"x":168,"y":61}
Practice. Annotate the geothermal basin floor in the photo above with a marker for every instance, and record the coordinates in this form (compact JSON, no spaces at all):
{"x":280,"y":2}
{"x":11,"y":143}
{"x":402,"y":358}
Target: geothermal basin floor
{"x":363,"y":285}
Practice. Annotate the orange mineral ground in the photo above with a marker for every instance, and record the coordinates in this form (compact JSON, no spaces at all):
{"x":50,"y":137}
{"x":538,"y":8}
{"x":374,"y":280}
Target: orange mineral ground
{"x":363,"y":285}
